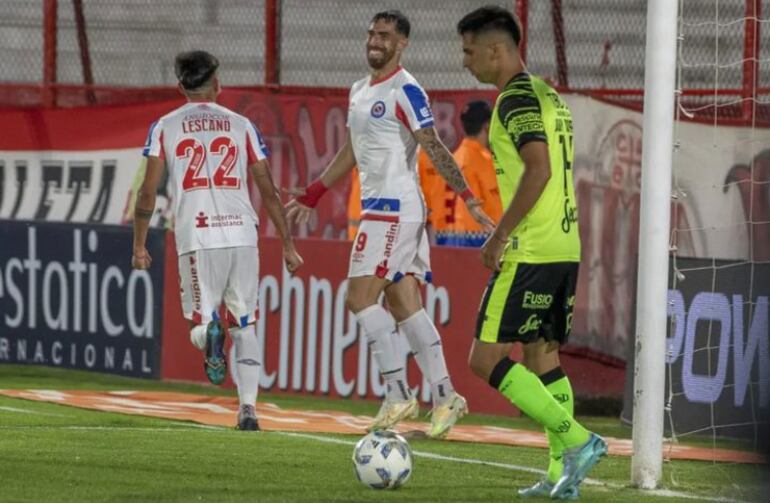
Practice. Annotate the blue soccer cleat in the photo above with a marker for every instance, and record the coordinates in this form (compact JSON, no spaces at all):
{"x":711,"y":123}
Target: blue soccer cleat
{"x":543,"y":488}
{"x":215,"y":363}
{"x":577,"y":463}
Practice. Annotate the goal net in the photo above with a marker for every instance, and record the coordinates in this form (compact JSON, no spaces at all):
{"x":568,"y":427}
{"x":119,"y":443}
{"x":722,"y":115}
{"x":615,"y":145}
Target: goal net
{"x":718,"y":356}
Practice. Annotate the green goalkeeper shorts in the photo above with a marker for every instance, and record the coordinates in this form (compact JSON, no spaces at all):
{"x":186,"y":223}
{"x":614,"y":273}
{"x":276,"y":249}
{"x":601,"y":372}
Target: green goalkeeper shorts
{"x":525,"y":302}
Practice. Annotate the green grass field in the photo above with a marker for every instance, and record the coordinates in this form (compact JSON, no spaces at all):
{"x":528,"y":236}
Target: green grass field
{"x":56,"y":453}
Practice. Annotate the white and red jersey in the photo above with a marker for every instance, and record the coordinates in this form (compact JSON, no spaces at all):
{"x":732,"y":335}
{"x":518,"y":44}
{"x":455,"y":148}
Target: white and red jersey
{"x":207,"y":149}
{"x":382,"y":115}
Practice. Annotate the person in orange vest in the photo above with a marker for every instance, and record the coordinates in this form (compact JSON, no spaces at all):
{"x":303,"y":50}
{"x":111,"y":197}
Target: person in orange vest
{"x":354,"y":204}
{"x":432,"y":186}
{"x":475,"y":160}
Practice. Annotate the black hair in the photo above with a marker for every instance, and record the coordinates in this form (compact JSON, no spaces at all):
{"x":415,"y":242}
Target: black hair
{"x":488,"y":18}
{"x":474,"y":116}
{"x":194,"y":68}
{"x":403,"y":27}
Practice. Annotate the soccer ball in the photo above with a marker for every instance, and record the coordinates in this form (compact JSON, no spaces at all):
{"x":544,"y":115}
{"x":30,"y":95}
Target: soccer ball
{"x":382,"y":460}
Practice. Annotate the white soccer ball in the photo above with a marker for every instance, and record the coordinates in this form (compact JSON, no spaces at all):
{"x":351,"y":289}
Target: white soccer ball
{"x":382,"y":460}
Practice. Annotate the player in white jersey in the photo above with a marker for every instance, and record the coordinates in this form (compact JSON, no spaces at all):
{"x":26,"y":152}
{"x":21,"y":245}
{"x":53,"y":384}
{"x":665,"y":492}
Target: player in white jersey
{"x":388,"y":117}
{"x":208,"y":151}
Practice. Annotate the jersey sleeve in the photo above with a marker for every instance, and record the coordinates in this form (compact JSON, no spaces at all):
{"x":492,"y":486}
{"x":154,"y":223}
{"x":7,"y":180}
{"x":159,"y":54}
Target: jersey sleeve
{"x":521,"y":115}
{"x":413,"y":107}
{"x":153,"y":146}
{"x":255,"y":144}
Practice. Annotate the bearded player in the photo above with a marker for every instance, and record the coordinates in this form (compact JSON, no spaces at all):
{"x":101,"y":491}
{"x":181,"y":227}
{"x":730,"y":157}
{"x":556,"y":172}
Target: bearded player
{"x":388,"y":118}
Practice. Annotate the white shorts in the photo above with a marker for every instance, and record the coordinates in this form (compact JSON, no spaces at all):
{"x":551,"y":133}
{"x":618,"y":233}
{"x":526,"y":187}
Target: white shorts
{"x":391,"y":250}
{"x":208,"y":277}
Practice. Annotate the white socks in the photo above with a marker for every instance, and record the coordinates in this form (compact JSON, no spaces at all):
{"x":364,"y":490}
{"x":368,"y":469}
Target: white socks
{"x":426,"y":344}
{"x":381,"y":334}
{"x":244,"y":363}
{"x":198,"y":336}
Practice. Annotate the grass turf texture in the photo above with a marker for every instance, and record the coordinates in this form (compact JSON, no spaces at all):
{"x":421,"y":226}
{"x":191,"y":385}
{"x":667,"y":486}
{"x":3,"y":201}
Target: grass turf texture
{"x":50,"y":452}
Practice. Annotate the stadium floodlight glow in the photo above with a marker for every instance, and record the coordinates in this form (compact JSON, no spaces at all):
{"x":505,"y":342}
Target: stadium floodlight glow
{"x":654,"y":232}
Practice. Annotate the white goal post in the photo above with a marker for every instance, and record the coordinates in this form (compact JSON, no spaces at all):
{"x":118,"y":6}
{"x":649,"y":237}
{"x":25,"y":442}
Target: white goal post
{"x":654,"y":235}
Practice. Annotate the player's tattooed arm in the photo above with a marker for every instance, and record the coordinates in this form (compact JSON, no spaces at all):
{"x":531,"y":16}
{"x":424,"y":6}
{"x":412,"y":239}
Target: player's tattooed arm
{"x":442,"y":158}
{"x":446,"y":165}
{"x":271,"y":199}
{"x":142,"y":213}
{"x":143,"y":210}
{"x":145,"y":197}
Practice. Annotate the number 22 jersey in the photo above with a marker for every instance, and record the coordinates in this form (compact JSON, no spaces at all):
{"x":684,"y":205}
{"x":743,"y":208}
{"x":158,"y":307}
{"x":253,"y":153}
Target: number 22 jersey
{"x":207,"y":149}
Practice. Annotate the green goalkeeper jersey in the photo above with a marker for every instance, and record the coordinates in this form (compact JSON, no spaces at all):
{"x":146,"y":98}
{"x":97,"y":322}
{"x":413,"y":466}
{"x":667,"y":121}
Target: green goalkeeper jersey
{"x":529,"y":110}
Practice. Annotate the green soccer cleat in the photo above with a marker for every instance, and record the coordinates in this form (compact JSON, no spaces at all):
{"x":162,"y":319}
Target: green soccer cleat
{"x":577,"y":463}
{"x":215,"y":363}
{"x":543,"y":488}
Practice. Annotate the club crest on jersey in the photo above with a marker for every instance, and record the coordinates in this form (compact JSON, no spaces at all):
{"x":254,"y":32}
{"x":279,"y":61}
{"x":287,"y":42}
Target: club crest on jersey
{"x":378,"y":109}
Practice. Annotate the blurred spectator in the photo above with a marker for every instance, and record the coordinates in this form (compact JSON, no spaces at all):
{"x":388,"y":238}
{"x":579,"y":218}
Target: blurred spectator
{"x":354,"y":204}
{"x":475,"y":160}
{"x":433,"y":187}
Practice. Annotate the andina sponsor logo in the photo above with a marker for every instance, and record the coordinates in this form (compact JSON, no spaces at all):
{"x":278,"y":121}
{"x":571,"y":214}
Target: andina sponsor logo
{"x":390,"y":239}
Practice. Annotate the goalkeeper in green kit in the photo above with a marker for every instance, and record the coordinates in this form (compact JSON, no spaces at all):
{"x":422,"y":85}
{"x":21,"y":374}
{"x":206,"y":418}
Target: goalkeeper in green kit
{"x":534,"y":251}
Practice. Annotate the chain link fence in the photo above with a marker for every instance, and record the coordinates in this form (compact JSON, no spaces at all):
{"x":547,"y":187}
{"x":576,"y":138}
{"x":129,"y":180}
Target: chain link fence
{"x":588,"y":44}
{"x":323,"y":42}
{"x":712,"y":44}
{"x":579,"y":44}
{"x":600,"y":44}
{"x":133,"y":43}
{"x":21,"y":40}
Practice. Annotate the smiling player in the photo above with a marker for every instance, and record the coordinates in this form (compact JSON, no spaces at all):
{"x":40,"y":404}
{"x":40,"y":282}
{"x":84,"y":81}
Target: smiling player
{"x":388,"y":117}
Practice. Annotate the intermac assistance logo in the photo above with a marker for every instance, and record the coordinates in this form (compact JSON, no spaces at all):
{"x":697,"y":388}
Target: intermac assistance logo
{"x":201,"y":220}
{"x":378,"y":109}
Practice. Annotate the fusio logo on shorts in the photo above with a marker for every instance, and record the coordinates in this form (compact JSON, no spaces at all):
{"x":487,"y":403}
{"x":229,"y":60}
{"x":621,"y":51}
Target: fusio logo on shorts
{"x":378,"y":109}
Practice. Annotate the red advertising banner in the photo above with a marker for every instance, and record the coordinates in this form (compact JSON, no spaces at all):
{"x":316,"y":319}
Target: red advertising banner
{"x":312,"y":343}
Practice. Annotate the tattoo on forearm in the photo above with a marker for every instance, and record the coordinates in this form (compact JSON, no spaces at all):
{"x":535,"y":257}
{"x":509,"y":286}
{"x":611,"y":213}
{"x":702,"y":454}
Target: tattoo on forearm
{"x":445,"y":164}
{"x":143,"y":214}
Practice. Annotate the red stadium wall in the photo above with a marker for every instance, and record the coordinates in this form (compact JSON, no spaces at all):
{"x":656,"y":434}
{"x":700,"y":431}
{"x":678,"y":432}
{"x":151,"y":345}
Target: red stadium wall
{"x":288,"y":307}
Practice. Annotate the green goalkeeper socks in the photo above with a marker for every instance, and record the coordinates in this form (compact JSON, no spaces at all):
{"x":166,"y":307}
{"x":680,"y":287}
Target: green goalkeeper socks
{"x":525,"y":390}
{"x":559,"y":386}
